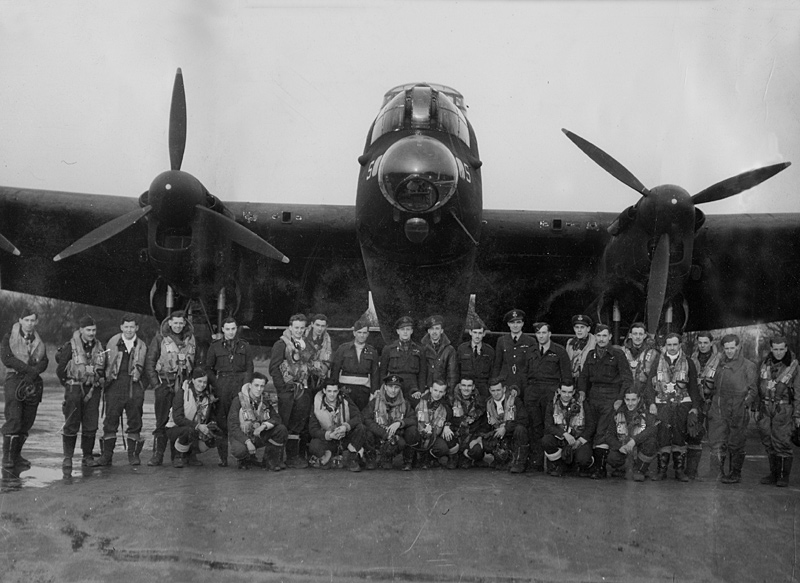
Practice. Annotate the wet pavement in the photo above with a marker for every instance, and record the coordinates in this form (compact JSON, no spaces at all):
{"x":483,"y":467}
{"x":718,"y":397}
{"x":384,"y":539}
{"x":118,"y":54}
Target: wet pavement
{"x":223,"y":524}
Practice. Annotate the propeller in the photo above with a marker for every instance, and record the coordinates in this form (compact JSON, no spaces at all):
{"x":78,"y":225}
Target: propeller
{"x":7,"y":245}
{"x":668,"y":207}
{"x":175,"y":198}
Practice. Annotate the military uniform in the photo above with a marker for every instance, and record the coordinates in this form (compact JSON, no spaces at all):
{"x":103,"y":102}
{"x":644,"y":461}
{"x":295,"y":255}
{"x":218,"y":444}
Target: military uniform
{"x":81,"y":369}
{"x":574,"y":418}
{"x":381,"y":413}
{"x":511,"y":359}
{"x":324,"y":419}
{"x":407,"y":360}
{"x":25,"y":359}
{"x":189,"y":410}
{"x":244,"y":416}
{"x":357,"y":374}
{"x":476,"y":363}
{"x":441,"y":362}
{"x":512,"y":448}
{"x":728,"y":415}
{"x":169,"y":361}
{"x":124,"y":392}
{"x":778,"y":387}
{"x":605,"y":378}
{"x":578,"y":348}
{"x":548,"y":369}
{"x":641,"y":359}
{"x":640,"y":426}
{"x":320,"y":363}
{"x":432,"y":418}
{"x":672,"y":387}
{"x":469,"y":424}
{"x":706,"y":365}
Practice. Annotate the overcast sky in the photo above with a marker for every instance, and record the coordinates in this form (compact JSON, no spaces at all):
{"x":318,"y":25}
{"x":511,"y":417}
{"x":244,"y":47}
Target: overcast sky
{"x":281,"y":94}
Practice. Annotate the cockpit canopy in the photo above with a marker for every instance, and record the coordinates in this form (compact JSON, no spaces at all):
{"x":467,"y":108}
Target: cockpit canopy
{"x":422,"y":107}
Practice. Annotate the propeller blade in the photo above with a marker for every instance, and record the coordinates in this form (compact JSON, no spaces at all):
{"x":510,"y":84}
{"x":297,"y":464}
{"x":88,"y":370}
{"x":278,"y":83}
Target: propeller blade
{"x":7,"y":245}
{"x":177,"y":123}
{"x":103,"y":232}
{"x":737,"y":184}
{"x":242,"y":235}
{"x":607,"y":163}
{"x":657,"y":283}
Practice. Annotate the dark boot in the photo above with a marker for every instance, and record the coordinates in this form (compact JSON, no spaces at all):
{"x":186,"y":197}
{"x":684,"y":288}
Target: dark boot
{"x":599,"y":467}
{"x":108,"y":451}
{"x":662,"y":459}
{"x":293,"y":459}
{"x":22,"y":463}
{"x":68,"y":443}
{"x":640,"y":468}
{"x":717,"y":466}
{"x":159,"y":446}
{"x":8,"y":461}
{"x":784,"y":466}
{"x":350,"y":461}
{"x":192,"y":457}
{"x":87,"y":445}
{"x":452,"y":462}
{"x":693,"y":462}
{"x":243,"y":463}
{"x":272,"y":457}
{"x":737,"y":461}
{"x":772,"y":477}
{"x":178,"y":458}
{"x":519,"y":459}
{"x":556,"y":468}
{"x":408,"y":458}
{"x":372,"y":459}
{"x":679,"y":463}
{"x":134,"y":449}
{"x":222,"y":450}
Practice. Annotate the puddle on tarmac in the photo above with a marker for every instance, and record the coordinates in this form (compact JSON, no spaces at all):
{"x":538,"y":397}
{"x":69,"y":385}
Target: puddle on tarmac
{"x":39,"y":477}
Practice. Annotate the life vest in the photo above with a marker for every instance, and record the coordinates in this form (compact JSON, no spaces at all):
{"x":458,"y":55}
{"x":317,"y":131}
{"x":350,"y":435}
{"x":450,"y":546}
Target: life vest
{"x":77,"y":368}
{"x":640,"y":365}
{"x":770,"y":378}
{"x":706,"y":372}
{"x":570,"y":417}
{"x":578,"y":357}
{"x":296,"y":359}
{"x":387,"y":413}
{"x":28,"y":351}
{"x":320,"y":362}
{"x":509,"y":409}
{"x":135,"y":362}
{"x":430,"y":424}
{"x":251,"y":417}
{"x":331,"y":417}
{"x":671,"y":381}
{"x":466,"y":409}
{"x":627,"y":429}
{"x":194,"y":410}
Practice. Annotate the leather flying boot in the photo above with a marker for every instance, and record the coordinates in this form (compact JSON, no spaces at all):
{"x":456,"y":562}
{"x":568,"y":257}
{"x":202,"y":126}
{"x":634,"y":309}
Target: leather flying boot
{"x":293,"y":459}
{"x":87,"y":445}
{"x":662,"y":459}
{"x":599,"y":467}
{"x":272,"y":457}
{"x":22,"y":463}
{"x":68,"y":443}
{"x":178,"y":459}
{"x":693,"y":462}
{"x":679,"y":463}
{"x":222,"y":450}
{"x":134,"y":449}
{"x":784,"y":465}
{"x":640,"y":468}
{"x":519,"y":459}
{"x":159,"y":446}
{"x":192,"y":456}
{"x":408,"y":458}
{"x":8,"y":462}
{"x":737,"y":461}
{"x":772,"y":477}
{"x":109,"y":444}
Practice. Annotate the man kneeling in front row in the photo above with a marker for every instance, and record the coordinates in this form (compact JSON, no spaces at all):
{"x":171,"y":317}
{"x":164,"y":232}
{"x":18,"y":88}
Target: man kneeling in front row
{"x":569,"y":429}
{"x":390,"y":425}
{"x":253,"y":423}
{"x":632,"y":432}
{"x":506,"y":444}
{"x":189,"y":428}
{"x":335,"y":427}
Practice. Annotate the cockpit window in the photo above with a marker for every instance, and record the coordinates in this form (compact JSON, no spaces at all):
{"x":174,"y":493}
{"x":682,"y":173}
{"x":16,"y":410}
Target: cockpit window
{"x":421,"y":107}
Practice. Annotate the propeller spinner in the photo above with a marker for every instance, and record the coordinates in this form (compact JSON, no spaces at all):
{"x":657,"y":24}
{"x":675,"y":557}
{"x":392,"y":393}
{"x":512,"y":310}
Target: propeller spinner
{"x":175,"y":198}
{"x":665,"y":209}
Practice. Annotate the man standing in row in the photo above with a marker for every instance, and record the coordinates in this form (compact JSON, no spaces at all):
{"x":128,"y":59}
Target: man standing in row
{"x":229,"y":364}
{"x":642,"y":353}
{"x":512,"y":352}
{"x":706,"y":359}
{"x":81,"y":369}
{"x":24,"y":356}
{"x":673,"y":396}
{"x":578,"y":348}
{"x":439,"y":354}
{"x":604,"y":380}
{"x":778,"y":388}
{"x":289,"y":368}
{"x":728,"y":416}
{"x":404,"y":357}
{"x":355,"y":366}
{"x":548,"y":370}
{"x":169,"y":362}
{"x":475,"y":358}
{"x":319,"y":339}
{"x":124,"y":390}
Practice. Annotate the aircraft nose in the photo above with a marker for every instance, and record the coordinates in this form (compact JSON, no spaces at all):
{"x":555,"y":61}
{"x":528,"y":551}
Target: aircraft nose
{"x":418,"y":174}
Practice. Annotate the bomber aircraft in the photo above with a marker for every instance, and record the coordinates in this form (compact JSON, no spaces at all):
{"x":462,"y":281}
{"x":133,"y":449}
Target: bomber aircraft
{"x":418,"y":239}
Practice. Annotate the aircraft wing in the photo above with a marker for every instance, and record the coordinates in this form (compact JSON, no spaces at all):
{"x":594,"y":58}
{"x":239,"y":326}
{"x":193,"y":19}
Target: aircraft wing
{"x":42,"y":223}
{"x":542,"y":262}
{"x":746,"y":271}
